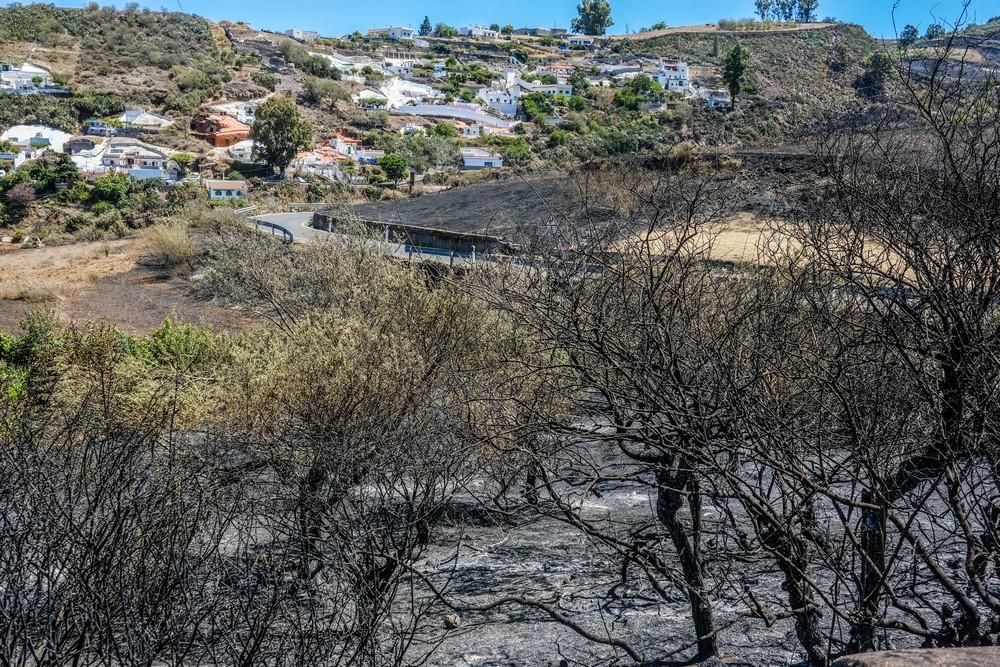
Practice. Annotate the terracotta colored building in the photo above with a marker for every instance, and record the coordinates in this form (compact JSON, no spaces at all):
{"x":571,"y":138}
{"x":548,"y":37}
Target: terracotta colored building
{"x":219,"y":129}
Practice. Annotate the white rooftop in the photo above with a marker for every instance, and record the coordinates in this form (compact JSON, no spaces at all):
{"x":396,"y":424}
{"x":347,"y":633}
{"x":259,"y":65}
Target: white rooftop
{"x":24,"y":133}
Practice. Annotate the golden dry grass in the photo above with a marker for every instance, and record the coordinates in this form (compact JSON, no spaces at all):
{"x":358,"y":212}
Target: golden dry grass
{"x":170,"y":243}
{"x":59,"y":272}
{"x":742,"y":237}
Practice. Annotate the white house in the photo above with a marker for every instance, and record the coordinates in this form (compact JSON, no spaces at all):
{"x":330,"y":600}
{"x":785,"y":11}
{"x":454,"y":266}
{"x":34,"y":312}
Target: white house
{"x":11,"y":160}
{"x":480,"y":158}
{"x":302,"y":35}
{"x":399,"y":66}
{"x":465,"y":113}
{"x":478,"y":32}
{"x":716,"y":99}
{"x":562,"y":70}
{"x":613,"y":70}
{"x":241,"y":151}
{"x":245,"y":112}
{"x":586,"y":41}
{"x":469,"y":130}
{"x":547,"y":89}
{"x":673,"y":76}
{"x":33,"y":140}
{"x":144,"y":121}
{"x":99,"y":128}
{"x":395,"y":34}
{"x":27,"y":78}
{"x":502,"y":101}
{"x":345,"y":145}
{"x":225,"y":190}
{"x":136,"y":158}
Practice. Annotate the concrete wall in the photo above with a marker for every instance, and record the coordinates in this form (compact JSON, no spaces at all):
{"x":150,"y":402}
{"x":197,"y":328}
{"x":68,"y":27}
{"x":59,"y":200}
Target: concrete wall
{"x":425,"y":237}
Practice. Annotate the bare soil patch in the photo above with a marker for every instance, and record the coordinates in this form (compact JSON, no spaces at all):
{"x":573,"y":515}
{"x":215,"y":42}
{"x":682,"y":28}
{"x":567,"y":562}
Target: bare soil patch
{"x":101,"y":282}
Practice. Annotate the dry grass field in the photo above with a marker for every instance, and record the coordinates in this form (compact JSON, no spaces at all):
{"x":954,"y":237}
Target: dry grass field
{"x":96,"y":282}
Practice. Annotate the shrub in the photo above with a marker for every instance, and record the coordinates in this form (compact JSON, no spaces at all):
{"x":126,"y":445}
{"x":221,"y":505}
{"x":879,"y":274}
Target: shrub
{"x":170,"y":243}
{"x":264,"y":79}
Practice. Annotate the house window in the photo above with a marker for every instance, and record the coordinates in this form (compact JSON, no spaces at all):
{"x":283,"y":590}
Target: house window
{"x":218,"y":193}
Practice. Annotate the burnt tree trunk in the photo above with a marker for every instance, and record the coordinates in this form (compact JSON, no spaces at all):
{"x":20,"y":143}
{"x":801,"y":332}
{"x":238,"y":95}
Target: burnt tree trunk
{"x":674,"y":484}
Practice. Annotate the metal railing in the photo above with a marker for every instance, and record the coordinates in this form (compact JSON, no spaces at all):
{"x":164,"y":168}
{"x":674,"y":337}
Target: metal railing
{"x":275,"y":229}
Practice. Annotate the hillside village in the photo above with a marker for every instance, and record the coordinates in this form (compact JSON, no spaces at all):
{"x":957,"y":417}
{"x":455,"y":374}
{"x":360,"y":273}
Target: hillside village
{"x":388,"y":70}
{"x":455,"y":105}
{"x":393,"y":112}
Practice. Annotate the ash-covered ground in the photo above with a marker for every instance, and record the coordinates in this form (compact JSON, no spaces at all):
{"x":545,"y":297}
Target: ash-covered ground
{"x":486,"y":556}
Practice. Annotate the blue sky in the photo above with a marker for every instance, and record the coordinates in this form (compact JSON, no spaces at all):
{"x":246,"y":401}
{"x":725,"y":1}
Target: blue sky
{"x":336,"y":17}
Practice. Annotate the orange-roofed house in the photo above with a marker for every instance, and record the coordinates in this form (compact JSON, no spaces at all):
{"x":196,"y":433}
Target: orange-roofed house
{"x":220,"y":130}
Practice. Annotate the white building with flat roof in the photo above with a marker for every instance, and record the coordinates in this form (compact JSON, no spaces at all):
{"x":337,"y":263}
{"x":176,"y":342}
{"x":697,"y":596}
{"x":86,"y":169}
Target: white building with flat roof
{"x":478,"y":32}
{"x":673,"y":76}
{"x":302,"y":35}
{"x":481,"y":158}
{"x":502,"y":101}
{"x":395,"y":33}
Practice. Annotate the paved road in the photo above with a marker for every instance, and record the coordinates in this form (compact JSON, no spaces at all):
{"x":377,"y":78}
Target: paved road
{"x":300,"y":225}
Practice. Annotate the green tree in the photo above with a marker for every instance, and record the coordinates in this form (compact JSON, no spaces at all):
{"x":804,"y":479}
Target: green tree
{"x":445,"y":130}
{"x":425,"y":28}
{"x":279,"y":132}
{"x":507,"y":30}
{"x":639,"y":91}
{"x":114,"y":189}
{"x":395,"y":167}
{"x":735,"y":66}
{"x":445,"y":30}
{"x":934,"y":31}
{"x":908,"y":35}
{"x":578,"y":79}
{"x":763,"y":8}
{"x":807,"y":10}
{"x":877,"y":68}
{"x":594,"y":17}
{"x":184,"y":161}
{"x":495,"y":27}
{"x":784,"y":10}
{"x":536,"y":106}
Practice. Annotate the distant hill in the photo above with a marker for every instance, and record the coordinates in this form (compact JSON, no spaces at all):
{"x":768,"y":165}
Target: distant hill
{"x":797,"y":73}
{"x":139,"y":54}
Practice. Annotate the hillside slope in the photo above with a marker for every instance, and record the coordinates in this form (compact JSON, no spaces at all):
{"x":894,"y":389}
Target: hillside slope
{"x":139,"y":54}
{"x":796,"y":75}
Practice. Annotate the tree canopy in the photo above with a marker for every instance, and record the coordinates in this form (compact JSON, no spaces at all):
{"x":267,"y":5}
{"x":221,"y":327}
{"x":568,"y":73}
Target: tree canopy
{"x":594,"y":17}
{"x":734,"y":68}
{"x":279,"y":132}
